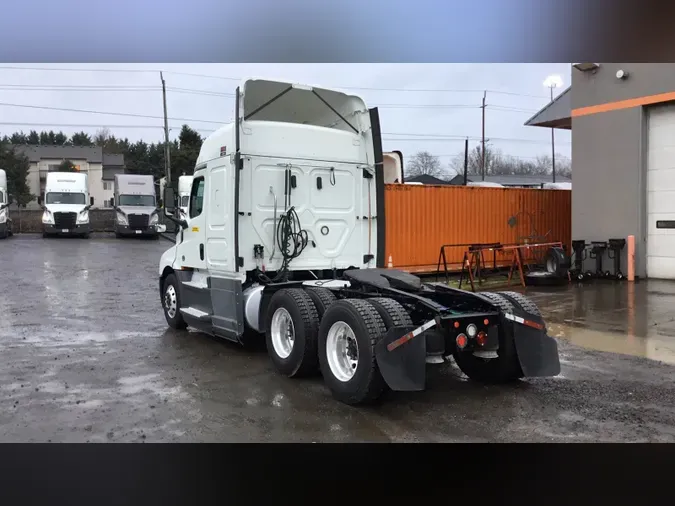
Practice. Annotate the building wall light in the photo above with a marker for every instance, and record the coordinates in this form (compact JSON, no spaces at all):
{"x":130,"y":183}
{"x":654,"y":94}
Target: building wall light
{"x":585,"y":67}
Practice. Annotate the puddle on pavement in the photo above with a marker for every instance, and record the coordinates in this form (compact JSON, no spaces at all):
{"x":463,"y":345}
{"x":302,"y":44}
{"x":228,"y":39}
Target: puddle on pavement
{"x":654,"y":347}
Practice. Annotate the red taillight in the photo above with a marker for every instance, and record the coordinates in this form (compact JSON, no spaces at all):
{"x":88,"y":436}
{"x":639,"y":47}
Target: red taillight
{"x":461,"y":341}
{"x":486,"y":322}
{"x":456,"y":325}
{"x":481,"y":338}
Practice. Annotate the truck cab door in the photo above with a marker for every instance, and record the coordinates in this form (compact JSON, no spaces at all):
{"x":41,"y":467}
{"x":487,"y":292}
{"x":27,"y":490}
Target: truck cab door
{"x":191,"y":251}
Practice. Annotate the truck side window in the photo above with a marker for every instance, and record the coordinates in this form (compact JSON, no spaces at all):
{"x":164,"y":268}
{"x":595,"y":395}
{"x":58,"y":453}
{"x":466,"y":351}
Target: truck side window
{"x":197,"y":197}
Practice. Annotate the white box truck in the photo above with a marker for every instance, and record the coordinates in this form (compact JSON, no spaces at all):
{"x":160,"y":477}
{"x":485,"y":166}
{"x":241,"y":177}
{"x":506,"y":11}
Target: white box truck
{"x":5,"y":220}
{"x":184,"y":187}
{"x":66,"y":205}
{"x":284,"y":242}
{"x":135,"y":204}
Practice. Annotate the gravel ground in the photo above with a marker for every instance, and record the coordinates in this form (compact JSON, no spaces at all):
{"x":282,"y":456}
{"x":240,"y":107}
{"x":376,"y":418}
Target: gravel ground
{"x":87,"y":356}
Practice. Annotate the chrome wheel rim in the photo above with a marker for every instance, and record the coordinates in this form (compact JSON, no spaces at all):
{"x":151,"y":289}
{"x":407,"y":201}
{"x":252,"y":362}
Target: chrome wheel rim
{"x":170,"y":301}
{"x":342,"y":351}
{"x":283,"y":332}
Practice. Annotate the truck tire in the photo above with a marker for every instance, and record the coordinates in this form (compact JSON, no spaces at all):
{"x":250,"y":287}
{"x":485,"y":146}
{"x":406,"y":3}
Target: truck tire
{"x":349,"y":331}
{"x":323,"y":298}
{"x":503,"y":369}
{"x":518,"y":299}
{"x":171,"y":303}
{"x":498,"y":300}
{"x":392,"y":312}
{"x":291,"y":332}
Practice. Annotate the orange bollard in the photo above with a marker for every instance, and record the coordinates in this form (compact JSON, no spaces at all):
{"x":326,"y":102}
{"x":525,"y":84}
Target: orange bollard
{"x":630,"y":243}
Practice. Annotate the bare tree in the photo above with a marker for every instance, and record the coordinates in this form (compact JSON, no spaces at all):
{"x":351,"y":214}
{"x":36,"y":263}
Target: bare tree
{"x":424,"y":163}
{"x":497,"y":163}
{"x":493,"y":161}
{"x":102,"y":137}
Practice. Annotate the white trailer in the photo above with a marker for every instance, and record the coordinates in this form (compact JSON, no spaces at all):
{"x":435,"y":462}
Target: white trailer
{"x":184,"y":188}
{"x":284,"y":241}
{"x":66,"y":205}
{"x":135,"y":204}
{"x":5,"y":220}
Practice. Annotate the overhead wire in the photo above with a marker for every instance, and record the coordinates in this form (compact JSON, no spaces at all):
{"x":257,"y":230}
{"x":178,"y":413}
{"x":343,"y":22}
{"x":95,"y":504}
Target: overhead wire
{"x":207,"y":76}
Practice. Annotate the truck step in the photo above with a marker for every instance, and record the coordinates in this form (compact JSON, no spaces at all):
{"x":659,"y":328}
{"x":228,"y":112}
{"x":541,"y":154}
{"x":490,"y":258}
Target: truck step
{"x":195,"y":313}
{"x":195,"y":284}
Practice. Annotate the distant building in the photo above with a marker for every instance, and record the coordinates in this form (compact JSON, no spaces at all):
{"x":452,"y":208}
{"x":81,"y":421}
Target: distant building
{"x":426,"y":179}
{"x":511,"y":180}
{"x":100,"y":168}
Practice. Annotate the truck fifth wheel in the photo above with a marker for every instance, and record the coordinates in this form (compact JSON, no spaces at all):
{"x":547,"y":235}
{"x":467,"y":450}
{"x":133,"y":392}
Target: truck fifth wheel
{"x":284,"y":242}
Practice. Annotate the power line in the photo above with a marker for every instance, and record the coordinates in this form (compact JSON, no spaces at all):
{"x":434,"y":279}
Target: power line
{"x":191,"y":91}
{"x":503,"y":139}
{"x":86,"y":111}
{"x":206,"y":76}
{"x":460,"y":154}
{"x":80,"y":125}
{"x":412,"y":137}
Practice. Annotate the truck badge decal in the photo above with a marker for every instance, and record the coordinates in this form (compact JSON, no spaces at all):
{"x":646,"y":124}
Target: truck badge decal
{"x":195,"y":229}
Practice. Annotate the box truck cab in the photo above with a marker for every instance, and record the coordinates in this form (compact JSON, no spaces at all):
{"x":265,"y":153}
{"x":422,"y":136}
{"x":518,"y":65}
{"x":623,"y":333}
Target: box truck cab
{"x":135,"y":204}
{"x":66,"y":205}
{"x":184,"y":186}
{"x":5,"y":221}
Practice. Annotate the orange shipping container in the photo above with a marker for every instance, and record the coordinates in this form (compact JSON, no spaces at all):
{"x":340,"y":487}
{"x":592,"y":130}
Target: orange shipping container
{"x":421,"y":218}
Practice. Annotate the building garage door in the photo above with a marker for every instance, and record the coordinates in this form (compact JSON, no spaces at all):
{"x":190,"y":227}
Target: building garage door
{"x":661,"y":192}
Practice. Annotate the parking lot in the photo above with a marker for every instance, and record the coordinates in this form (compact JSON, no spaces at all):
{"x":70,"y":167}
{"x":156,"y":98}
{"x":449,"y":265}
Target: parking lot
{"x":86,"y":356}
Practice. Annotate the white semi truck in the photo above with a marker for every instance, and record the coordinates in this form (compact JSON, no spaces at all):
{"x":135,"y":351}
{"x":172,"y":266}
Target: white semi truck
{"x":5,"y":220}
{"x":284,"y":241}
{"x":66,"y":205}
{"x":135,"y":204}
{"x":184,"y":187}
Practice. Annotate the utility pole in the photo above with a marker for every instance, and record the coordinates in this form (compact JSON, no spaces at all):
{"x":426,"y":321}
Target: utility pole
{"x":167,"y":147}
{"x":482,"y":164}
{"x":466,"y":160}
{"x":552,"y":142}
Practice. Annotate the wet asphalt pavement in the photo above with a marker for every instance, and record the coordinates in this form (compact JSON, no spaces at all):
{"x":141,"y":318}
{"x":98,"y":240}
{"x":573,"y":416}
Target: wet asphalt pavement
{"x":86,"y":355}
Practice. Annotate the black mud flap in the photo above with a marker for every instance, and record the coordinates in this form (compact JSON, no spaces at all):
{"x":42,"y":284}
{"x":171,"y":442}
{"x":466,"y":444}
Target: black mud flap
{"x":403,"y":367}
{"x":537,"y":352}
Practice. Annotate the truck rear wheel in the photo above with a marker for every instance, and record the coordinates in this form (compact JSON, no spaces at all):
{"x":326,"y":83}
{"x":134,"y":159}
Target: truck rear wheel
{"x":323,"y":298}
{"x":291,"y":332}
{"x":503,"y":368}
{"x":392,"y":312}
{"x":349,"y":331}
{"x":525,"y":303}
{"x":172,"y":304}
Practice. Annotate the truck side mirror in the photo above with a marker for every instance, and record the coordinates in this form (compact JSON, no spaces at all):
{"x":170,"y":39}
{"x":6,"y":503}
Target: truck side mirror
{"x":169,"y":201}
{"x":91,"y":201}
{"x":160,"y":203}
{"x":39,"y":200}
{"x":112,"y":201}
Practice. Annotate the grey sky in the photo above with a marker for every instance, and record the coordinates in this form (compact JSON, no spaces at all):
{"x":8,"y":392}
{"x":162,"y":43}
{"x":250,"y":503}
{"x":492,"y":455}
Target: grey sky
{"x":521,"y":84}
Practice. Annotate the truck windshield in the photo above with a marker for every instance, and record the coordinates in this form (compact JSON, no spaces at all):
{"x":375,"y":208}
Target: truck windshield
{"x":65,"y":198}
{"x":137,"y":200}
{"x":184,"y":201}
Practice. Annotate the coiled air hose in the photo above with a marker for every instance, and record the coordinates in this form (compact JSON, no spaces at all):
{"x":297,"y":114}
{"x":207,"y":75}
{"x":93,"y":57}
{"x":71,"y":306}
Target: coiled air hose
{"x":291,"y":239}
